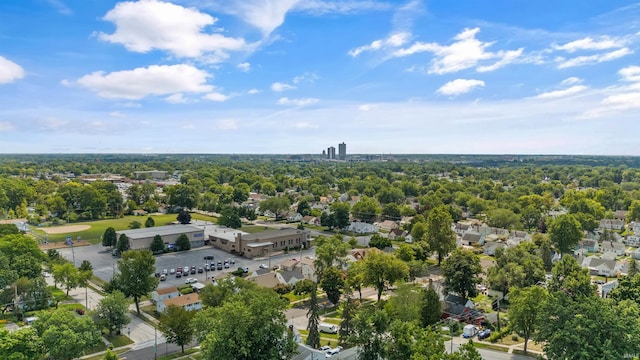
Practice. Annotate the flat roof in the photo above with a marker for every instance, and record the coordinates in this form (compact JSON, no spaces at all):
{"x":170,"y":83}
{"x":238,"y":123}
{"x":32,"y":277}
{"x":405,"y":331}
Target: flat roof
{"x":260,"y":244}
{"x":222,"y":232}
{"x":159,"y":230}
{"x":265,"y":235}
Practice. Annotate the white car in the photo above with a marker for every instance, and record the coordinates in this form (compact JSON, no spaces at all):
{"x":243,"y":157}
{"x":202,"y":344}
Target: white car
{"x":263,"y":266}
{"x":332,"y":352}
{"x":190,"y":281}
{"x":172,"y":271}
{"x":325,"y":348}
{"x":46,"y":274}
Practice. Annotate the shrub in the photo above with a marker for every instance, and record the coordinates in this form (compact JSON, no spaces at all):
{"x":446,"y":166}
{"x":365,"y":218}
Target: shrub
{"x":514,"y":337}
{"x":186,"y":291}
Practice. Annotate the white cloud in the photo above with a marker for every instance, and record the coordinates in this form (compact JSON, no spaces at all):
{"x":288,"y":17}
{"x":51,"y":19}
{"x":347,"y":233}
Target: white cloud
{"x":297,"y":102}
{"x":254,"y":91}
{"x":465,"y":52}
{"x":624,"y":101}
{"x":306,"y":77}
{"x":60,"y":7}
{"x":141,"y":82}
{"x":188,"y":126}
{"x":305,"y":125}
{"x":227,"y":124}
{"x":593,"y":59}
{"x":6,"y":126}
{"x":630,"y":73}
{"x":216,"y":96}
{"x":245,"y":66}
{"x":366,"y":107}
{"x":571,"y":80}
{"x":562,"y":93}
{"x":116,"y":114}
{"x":147,"y":25}
{"x":280,"y":87}
{"x":393,"y":41}
{"x":176,"y":99}
{"x":588,"y":43}
{"x":459,"y":86}
{"x":319,"y":7}
{"x":9,"y":71}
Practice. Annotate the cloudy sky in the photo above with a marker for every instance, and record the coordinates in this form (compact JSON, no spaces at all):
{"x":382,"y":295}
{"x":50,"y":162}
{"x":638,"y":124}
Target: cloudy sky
{"x":296,"y":76}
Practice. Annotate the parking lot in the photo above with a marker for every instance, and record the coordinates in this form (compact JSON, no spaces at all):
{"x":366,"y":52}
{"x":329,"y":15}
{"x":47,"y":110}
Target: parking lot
{"x":104,"y":265}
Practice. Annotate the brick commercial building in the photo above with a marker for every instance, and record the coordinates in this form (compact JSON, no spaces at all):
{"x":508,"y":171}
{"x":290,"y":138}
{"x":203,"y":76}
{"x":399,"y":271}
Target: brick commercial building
{"x":260,"y":244}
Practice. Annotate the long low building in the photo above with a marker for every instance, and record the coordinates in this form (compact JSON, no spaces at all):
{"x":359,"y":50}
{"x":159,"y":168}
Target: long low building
{"x":260,"y":244}
{"x":141,"y":238}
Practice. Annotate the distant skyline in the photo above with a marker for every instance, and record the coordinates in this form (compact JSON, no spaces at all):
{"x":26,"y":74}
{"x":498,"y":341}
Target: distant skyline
{"x":296,"y":76}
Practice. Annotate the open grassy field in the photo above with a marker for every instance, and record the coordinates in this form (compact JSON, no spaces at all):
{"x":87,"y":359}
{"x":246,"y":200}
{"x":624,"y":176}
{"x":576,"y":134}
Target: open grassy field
{"x":96,"y":228}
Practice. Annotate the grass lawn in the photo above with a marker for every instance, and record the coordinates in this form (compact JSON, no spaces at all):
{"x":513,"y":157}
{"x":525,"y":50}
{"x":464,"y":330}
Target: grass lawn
{"x":335,"y":321}
{"x":508,"y":340}
{"x":100,"y":357}
{"x":179,"y":354}
{"x":491,"y":347}
{"x":252,"y":229}
{"x":118,"y":340}
{"x":59,"y":294}
{"x":98,"y":227}
{"x":293,"y":297}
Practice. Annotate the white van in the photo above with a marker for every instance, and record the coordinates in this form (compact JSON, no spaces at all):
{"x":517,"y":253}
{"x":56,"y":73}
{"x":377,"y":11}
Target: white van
{"x":328,"y":328}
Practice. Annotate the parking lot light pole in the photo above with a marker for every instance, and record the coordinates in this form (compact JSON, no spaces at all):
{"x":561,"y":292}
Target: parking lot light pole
{"x":206,"y":270}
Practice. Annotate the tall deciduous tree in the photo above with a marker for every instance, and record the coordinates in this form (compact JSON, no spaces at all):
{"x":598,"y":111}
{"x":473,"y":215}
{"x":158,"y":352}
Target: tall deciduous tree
{"x":109,"y":238}
{"x":438,"y":234}
{"x":369,"y":333}
{"x":520,"y":266}
{"x":340,"y":213}
{"x":332,"y":283}
{"x":135,"y":278}
{"x":367,"y":209}
{"x":65,"y":336}
{"x":383,"y":270}
{"x":524,"y":307}
{"x":461,"y":272}
{"x":570,"y":278}
{"x":430,"y":307}
{"x":113,"y":311}
{"x":330,"y":251}
{"x":565,"y":232}
{"x":175,"y":324}
{"x":183,"y":243}
{"x":183,"y":217}
{"x":349,"y":308}
{"x":67,"y":275}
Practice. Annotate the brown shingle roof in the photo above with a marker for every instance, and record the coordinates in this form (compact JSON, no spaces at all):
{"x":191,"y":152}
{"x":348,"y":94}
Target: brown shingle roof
{"x":182,"y":300}
{"x":167,"y":290}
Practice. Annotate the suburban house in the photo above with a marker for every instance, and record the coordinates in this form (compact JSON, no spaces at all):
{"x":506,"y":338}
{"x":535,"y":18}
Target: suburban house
{"x":489,"y":248}
{"x":311,"y":220}
{"x":485,"y":230}
{"x":290,"y":277}
{"x":162,"y":294}
{"x":397,"y":232}
{"x":269,"y":280}
{"x":613,"y":247}
{"x":189,"y":302}
{"x":455,"y":299}
{"x":461,"y":228}
{"x":519,"y":236}
{"x":461,"y":309}
{"x":294,"y":216}
{"x":600,"y":267}
{"x":635,"y":226}
{"x":308,"y":269}
{"x":636,"y":254}
{"x":586,"y":246}
{"x":611,"y":224}
{"x":360,"y":227}
{"x":632,"y":240}
{"x":387,"y":225}
{"x":607,"y":287}
{"x":470,"y":239}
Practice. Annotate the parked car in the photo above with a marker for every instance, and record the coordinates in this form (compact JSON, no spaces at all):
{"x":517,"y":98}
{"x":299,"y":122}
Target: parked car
{"x":200,"y":270}
{"x":208,"y":257}
{"x":245,"y":269}
{"x":157,"y":274}
{"x":232,"y":261}
{"x":193,"y":270}
{"x":484,"y":334}
{"x":163,"y":277}
{"x":325,"y":348}
{"x":219,"y":265}
{"x":263,"y":266}
{"x":165,"y":271}
{"x":190,"y":281}
{"x":179,"y":269}
{"x":178,"y":275}
{"x":226,"y":265}
{"x":172,"y":271}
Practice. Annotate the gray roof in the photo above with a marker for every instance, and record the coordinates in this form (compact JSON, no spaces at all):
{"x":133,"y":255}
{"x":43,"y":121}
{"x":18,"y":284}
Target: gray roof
{"x":471,"y":237}
{"x":160,"y":230}
{"x":266,"y":235}
{"x":295,"y":273}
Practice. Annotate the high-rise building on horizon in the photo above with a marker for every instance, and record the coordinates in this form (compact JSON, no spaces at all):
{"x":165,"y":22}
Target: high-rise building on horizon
{"x":331,"y":153}
{"x":342,"y":151}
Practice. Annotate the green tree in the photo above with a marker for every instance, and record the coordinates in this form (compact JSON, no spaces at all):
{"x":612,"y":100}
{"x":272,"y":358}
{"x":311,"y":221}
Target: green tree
{"x":565,"y":233}
{"x":405,"y":252}
{"x":628,"y":289}
{"x":64,"y":335}
{"x":175,"y":324}
{"x":330,"y":251}
{"x":109,"y":238}
{"x":135,"y":224}
{"x":275,"y":205}
{"x":157,"y":244}
{"x":404,"y":305}
{"x":229,"y":217}
{"x":520,"y":266}
{"x":391,"y":211}
{"x":332,"y":283}
{"x":37,"y":295}
{"x":367,"y":209}
{"x":349,"y":309}
{"x":380,"y":242}
{"x":183,"y":217}
{"x":430,"y":307}
{"x":461,"y":272}
{"x":524,"y":307}
{"x":254,"y":318}
{"x":502,"y":218}
{"x":67,"y":275}
{"x":183,"y":243}
{"x":21,"y":344}
{"x":113,"y":311}
{"x":355,"y":278}
{"x":149,"y":222}
{"x":23,"y":254}
{"x":313,"y":314}
{"x":110,"y":355}
{"x":340,"y":213}
{"x":370,"y":327}
{"x":123,"y":244}
{"x":438,"y":234}
{"x":303,"y":207}
{"x":184,"y":196}
{"x":136,"y":275}
{"x":383,"y":270}
{"x":634,"y":211}
{"x":570,"y":278}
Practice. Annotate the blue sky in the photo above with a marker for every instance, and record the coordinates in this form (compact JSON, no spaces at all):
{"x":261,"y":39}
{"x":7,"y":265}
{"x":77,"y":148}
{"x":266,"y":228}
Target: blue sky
{"x":296,"y":76}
